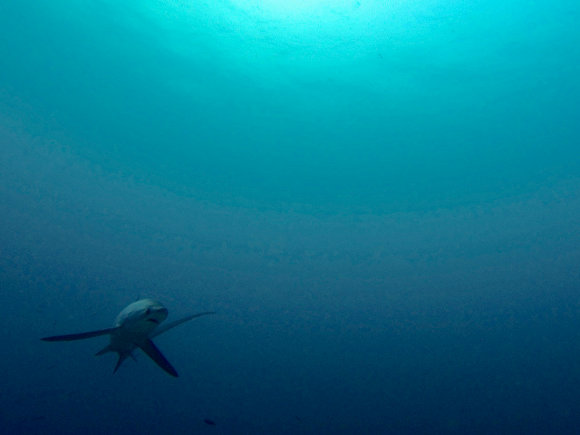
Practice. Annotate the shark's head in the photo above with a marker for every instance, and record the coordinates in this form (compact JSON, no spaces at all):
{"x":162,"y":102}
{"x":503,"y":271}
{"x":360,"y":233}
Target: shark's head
{"x":142,"y":316}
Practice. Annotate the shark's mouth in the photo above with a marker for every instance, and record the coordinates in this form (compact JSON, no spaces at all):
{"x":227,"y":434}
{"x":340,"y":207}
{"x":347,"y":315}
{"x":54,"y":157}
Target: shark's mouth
{"x":153,"y":321}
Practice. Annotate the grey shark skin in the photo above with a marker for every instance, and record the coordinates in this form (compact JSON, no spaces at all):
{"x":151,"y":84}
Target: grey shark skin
{"x":135,"y":327}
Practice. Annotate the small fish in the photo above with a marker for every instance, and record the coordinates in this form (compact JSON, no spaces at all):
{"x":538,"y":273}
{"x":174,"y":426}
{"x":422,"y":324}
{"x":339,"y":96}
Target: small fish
{"x":208,"y":421}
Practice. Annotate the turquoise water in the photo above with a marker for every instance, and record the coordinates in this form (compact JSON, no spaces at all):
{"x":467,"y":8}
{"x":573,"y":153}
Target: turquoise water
{"x":380,"y":199}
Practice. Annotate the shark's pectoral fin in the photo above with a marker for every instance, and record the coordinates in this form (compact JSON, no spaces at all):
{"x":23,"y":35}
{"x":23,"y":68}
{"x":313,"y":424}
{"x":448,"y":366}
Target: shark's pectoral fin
{"x":81,"y":336}
{"x":175,"y":323}
{"x":152,"y":352}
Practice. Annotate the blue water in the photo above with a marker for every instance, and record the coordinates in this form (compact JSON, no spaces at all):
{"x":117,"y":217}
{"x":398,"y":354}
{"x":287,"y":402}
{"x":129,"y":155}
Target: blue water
{"x":380,"y":199}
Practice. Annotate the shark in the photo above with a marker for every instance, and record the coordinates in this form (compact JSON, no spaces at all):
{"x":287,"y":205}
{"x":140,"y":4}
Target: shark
{"x":135,"y":327}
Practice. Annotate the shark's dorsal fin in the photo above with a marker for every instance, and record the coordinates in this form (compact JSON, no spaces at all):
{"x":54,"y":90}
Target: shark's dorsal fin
{"x":175,"y":323}
{"x":155,"y":354}
{"x":81,"y":336}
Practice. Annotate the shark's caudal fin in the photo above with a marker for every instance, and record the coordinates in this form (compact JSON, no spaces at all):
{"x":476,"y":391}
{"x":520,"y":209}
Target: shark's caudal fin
{"x":151,"y":350}
{"x":171,"y":325}
{"x":81,"y":336}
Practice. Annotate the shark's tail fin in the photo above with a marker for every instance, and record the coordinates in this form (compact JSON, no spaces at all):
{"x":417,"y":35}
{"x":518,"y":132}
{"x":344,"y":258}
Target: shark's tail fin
{"x":104,"y":350}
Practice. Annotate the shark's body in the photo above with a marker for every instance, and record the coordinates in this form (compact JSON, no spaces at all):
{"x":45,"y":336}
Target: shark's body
{"x":135,"y":327}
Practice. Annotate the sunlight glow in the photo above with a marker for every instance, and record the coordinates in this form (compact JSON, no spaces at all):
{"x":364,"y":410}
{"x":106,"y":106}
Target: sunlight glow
{"x":291,"y":9}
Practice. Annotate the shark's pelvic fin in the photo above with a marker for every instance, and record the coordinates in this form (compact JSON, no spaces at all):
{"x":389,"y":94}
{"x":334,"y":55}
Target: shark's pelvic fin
{"x":104,"y":350}
{"x":151,"y":350}
{"x":171,"y":325}
{"x":81,"y":336}
{"x":122,"y":357}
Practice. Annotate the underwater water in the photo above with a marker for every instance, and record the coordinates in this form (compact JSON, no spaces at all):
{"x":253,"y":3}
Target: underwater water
{"x":380,"y":200}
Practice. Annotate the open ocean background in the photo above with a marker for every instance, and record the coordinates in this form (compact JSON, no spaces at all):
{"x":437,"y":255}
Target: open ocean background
{"x":381,"y":200}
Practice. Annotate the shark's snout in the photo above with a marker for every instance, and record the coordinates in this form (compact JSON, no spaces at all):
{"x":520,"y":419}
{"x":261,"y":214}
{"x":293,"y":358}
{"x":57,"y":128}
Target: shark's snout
{"x":155,"y":310}
{"x":155,"y":314}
